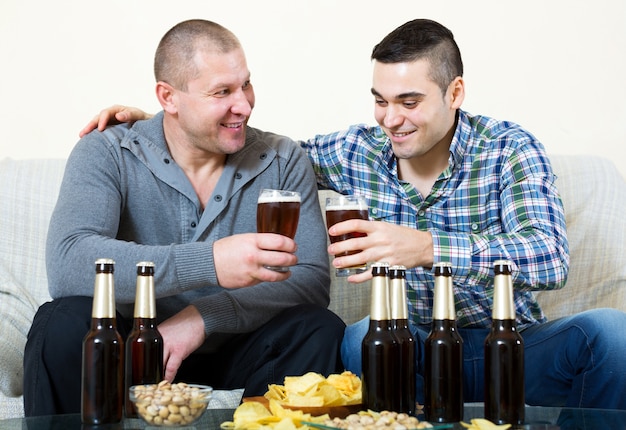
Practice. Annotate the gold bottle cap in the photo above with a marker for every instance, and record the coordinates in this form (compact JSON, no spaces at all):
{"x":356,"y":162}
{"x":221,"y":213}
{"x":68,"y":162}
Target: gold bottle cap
{"x":397,"y":285}
{"x":443,"y":300}
{"x":503,"y":302}
{"x":379,"y":307}
{"x":104,"y":290}
{"x":145,"y":300}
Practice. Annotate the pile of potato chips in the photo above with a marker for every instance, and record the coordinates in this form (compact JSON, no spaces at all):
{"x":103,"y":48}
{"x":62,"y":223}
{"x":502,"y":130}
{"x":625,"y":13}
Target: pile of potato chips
{"x":307,"y":391}
{"x":313,"y":390}
{"x":255,"y":416}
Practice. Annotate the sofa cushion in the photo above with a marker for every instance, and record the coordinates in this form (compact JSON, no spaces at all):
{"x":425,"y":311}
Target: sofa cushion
{"x":594,"y":196}
{"x":31,"y":187}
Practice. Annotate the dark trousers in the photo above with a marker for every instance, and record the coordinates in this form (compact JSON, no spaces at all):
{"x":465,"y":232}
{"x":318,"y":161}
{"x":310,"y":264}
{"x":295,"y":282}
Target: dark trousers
{"x":300,"y":339}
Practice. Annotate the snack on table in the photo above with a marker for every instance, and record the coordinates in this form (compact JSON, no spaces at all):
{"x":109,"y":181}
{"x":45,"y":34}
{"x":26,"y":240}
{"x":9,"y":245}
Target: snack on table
{"x":384,"y":420}
{"x":253,"y":416}
{"x":167,"y":404}
{"x":313,"y":390}
{"x":483,"y":424}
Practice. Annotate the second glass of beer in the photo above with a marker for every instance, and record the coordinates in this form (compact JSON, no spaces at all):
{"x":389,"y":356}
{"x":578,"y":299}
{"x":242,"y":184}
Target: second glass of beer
{"x":278,"y":211}
{"x":342,"y":208}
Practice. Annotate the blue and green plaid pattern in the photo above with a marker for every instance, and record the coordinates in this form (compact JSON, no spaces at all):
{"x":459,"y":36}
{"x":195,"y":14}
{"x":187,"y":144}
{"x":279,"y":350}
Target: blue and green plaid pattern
{"x":496,"y":200}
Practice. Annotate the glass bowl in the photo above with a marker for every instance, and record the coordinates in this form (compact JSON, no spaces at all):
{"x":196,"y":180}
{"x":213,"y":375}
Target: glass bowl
{"x":170,"y":405}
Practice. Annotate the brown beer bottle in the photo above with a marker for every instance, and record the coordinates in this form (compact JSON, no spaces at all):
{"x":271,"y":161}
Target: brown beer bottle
{"x":379,"y":350}
{"x":405,"y":339}
{"x":504,"y":354}
{"x":144,"y":346}
{"x":102,"y":396}
{"x":443,"y":375}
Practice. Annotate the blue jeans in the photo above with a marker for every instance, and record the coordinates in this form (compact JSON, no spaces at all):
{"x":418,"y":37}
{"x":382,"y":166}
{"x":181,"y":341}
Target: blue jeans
{"x":576,"y":361}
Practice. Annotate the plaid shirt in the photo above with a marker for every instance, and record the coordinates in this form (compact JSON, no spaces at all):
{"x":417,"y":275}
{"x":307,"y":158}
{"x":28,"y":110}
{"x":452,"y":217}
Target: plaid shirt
{"x":495,"y":200}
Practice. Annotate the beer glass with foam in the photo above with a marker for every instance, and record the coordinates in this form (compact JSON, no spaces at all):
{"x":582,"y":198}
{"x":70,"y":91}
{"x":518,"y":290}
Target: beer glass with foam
{"x":342,"y":208}
{"x":278,"y":211}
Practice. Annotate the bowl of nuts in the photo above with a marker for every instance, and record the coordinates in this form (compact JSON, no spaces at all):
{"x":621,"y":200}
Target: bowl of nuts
{"x":170,"y":404}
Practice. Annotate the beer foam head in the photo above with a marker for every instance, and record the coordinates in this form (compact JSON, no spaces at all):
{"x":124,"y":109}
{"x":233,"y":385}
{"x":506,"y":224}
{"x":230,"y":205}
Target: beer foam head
{"x":346,"y":203}
{"x":270,"y":196}
{"x":352,"y":206}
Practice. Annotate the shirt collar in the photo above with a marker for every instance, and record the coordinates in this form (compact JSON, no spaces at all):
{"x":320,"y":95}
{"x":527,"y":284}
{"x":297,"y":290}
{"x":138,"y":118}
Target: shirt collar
{"x":462,"y":133}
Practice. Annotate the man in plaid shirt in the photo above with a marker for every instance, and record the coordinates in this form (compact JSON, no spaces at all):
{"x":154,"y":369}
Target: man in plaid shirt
{"x":445,"y":185}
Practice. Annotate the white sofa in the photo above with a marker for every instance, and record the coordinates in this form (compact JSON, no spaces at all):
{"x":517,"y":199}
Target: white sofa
{"x":593,"y":192}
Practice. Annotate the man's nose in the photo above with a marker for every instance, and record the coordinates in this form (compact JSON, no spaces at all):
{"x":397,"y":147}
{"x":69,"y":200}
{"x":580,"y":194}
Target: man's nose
{"x":393,"y":117}
{"x":242,"y":105}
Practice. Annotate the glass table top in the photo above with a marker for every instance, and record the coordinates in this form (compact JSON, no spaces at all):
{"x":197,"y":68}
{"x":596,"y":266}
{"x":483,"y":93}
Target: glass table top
{"x":537,"y":418}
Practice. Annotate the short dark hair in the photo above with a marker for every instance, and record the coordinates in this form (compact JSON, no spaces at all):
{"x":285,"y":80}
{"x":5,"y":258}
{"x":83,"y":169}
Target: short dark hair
{"x":174,"y":59}
{"x":423,"y":39}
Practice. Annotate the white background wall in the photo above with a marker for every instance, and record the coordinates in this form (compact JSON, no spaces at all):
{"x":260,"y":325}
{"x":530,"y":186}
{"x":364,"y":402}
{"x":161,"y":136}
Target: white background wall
{"x":557,"y":67}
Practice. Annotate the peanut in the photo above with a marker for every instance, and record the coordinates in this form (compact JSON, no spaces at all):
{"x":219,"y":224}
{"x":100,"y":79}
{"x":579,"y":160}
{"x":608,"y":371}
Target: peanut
{"x":375,"y":421}
{"x":170,"y":404}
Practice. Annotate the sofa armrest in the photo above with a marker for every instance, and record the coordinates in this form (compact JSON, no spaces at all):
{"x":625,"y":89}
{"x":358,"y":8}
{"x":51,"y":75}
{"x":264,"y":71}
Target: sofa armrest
{"x":17,"y":308}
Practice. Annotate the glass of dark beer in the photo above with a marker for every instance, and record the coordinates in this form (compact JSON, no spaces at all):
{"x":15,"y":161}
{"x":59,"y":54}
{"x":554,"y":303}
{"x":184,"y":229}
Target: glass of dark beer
{"x":342,"y":208}
{"x":278,"y":211}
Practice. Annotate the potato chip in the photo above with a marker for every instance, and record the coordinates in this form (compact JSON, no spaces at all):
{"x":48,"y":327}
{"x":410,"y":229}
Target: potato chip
{"x":294,"y":399}
{"x":306,"y":383}
{"x":275,"y":392}
{"x":254,"y":416}
{"x":346,"y":382}
{"x":330,"y":395}
{"x":483,"y":424}
{"x":285,"y":424}
{"x":313,"y":390}
{"x":250,"y":412}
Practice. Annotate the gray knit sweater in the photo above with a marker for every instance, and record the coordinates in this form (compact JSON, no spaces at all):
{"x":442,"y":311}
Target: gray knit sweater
{"x":123,"y":197}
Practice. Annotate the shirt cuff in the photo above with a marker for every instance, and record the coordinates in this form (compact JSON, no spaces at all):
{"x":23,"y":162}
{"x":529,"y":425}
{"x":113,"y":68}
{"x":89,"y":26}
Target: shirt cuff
{"x":454,"y":248}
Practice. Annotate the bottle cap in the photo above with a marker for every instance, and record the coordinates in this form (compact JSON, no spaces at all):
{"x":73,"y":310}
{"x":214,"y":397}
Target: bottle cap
{"x":145,"y":268}
{"x":104,"y":290}
{"x":379,"y":306}
{"x":397,"y":286}
{"x":104,"y":265}
{"x":145,"y":300}
{"x":443,"y":300}
{"x":503,"y":302}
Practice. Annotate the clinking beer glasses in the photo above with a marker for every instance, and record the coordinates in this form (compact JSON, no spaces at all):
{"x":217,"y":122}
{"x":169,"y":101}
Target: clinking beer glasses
{"x":278,"y":211}
{"x":342,"y":208}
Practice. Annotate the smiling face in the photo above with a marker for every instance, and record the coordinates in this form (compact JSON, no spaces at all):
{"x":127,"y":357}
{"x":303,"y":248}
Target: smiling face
{"x":411,"y":109}
{"x":210,"y":115}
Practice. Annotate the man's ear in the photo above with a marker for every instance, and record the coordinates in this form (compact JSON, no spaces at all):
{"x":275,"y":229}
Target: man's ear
{"x":456,"y":92}
{"x":166,"y":94}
